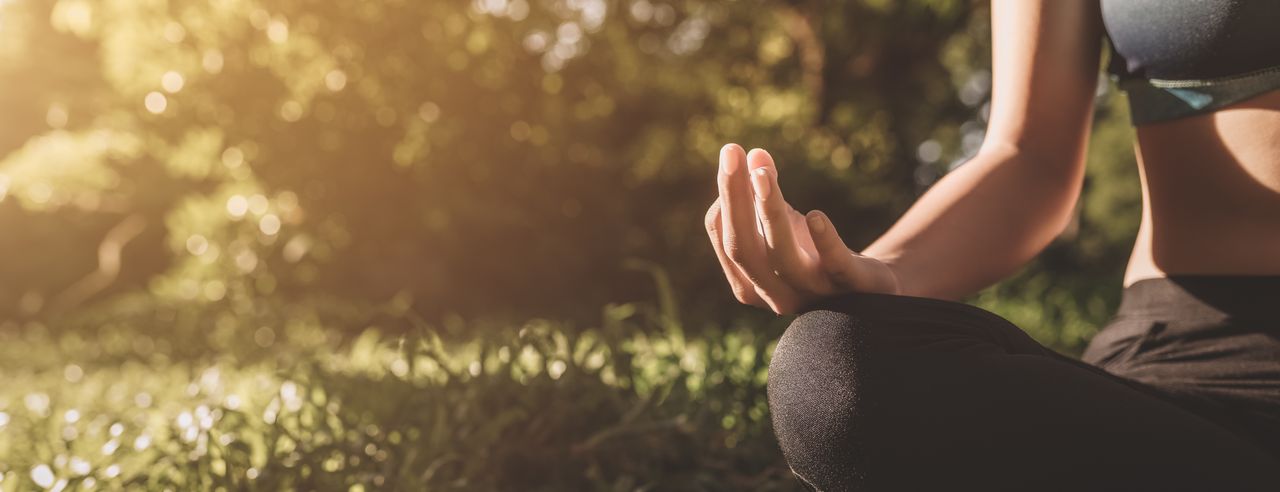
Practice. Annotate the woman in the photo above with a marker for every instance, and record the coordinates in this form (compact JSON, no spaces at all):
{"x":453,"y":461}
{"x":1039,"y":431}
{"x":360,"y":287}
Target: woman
{"x":885,"y":382}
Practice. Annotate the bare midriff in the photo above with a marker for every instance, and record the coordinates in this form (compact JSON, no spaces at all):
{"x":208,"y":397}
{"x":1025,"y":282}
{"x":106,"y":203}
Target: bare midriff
{"x":1211,"y":193}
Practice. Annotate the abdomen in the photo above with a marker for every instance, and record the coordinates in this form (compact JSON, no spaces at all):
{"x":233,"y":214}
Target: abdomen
{"x":1212,"y":192}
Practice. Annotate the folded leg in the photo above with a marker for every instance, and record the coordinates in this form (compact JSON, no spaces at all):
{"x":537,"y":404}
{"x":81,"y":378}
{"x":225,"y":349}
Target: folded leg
{"x":879,"y":392}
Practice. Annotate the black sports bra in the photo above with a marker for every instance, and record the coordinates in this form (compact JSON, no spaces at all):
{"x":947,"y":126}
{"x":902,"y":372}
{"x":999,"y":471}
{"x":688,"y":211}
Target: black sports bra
{"x":1178,"y":58}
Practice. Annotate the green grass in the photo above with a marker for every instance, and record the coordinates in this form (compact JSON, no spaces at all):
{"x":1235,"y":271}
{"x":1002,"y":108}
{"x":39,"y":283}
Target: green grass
{"x":219,"y":401}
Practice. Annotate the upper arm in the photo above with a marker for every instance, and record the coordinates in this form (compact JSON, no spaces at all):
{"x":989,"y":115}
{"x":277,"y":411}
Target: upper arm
{"x":1045,"y":59}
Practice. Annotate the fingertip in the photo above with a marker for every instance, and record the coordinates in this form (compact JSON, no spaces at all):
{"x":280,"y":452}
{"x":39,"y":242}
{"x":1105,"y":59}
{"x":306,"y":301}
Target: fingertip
{"x":817,"y":221}
{"x":759,"y":158}
{"x":730,"y":157}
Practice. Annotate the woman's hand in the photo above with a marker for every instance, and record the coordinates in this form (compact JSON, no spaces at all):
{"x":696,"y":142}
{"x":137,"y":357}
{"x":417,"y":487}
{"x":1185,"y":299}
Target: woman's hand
{"x":773,"y":256}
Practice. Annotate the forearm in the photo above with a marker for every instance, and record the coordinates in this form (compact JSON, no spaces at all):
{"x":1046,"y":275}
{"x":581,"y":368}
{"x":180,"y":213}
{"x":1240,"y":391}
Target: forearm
{"x":981,"y":222}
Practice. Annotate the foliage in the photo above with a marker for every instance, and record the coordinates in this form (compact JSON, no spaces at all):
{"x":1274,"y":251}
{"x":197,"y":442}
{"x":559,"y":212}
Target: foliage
{"x":495,"y":158}
{"x":253,"y":198}
{"x":632,"y":404}
{"x":474,"y":155}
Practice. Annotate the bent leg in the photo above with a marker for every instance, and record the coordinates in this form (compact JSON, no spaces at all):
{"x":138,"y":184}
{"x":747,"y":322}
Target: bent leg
{"x":882,"y":392}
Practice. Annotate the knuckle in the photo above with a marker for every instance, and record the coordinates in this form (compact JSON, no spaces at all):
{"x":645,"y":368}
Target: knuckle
{"x":782,"y":266}
{"x":779,"y":268}
{"x":775,"y":257}
{"x":712,"y":218}
{"x":770,"y":215}
{"x":736,"y":252}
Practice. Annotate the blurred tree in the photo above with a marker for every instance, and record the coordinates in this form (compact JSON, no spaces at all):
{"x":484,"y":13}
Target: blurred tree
{"x":493,"y":157}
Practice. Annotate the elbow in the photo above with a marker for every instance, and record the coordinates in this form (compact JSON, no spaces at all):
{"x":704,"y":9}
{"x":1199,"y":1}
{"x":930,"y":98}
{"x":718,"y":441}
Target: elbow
{"x":1059,"y":162}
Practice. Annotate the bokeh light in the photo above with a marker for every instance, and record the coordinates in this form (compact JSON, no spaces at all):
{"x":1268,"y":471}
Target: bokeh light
{"x":275,"y":245}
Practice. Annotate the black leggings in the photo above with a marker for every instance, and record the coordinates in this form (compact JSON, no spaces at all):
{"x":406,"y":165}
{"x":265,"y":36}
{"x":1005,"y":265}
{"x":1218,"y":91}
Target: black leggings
{"x":1181,"y":392}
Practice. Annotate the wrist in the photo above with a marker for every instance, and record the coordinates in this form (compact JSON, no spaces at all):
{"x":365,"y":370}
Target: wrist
{"x":893,"y":271}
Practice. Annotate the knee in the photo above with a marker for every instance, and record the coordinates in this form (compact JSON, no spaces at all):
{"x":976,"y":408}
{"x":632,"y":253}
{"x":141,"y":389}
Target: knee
{"x":818,"y":366}
{"x":816,"y":373}
{"x":818,"y":342}
{"x":816,"y":396}
{"x":822,"y":350}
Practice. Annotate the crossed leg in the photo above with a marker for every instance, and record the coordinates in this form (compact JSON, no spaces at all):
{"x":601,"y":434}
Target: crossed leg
{"x":881,"y":392}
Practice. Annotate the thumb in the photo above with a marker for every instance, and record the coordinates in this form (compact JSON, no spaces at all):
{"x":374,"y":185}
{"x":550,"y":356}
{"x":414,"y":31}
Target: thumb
{"x":846,"y":268}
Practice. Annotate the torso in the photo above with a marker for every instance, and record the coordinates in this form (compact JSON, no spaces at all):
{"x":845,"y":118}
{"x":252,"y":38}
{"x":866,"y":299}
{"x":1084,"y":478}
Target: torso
{"x":1211,"y":193}
{"x":1210,"y":174}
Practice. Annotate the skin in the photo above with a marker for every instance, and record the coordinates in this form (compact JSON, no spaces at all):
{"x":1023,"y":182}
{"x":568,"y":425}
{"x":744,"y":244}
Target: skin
{"x":1211,"y":190}
{"x":1211,"y":187}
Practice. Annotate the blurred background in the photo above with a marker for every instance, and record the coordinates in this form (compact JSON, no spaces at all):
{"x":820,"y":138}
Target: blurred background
{"x":351,"y":245}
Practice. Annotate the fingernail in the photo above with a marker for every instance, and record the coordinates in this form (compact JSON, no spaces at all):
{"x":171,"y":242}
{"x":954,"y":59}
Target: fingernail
{"x":816,"y":224}
{"x":726,"y":154}
{"x":760,"y":181}
{"x":757,"y":154}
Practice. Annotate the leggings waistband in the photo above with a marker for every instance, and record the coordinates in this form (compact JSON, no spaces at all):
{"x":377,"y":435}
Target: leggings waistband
{"x":1203,"y":296}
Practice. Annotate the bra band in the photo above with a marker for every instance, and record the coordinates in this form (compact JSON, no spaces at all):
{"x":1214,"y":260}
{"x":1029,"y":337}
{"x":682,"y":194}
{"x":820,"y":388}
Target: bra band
{"x":1153,"y":100}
